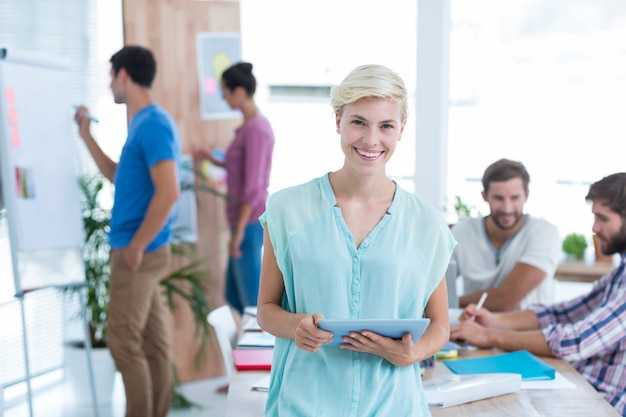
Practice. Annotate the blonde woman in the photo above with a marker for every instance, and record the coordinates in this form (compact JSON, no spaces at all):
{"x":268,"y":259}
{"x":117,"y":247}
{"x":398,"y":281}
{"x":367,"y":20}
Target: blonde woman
{"x":353,"y":244}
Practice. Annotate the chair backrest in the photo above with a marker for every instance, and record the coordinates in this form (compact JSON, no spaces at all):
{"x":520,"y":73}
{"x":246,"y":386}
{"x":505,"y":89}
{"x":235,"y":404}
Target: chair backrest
{"x":225,"y":328}
{"x":451,"y":276}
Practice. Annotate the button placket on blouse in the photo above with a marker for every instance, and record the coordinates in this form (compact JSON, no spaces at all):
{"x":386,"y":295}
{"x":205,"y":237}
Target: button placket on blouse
{"x":355,"y":290}
{"x":356,"y":279}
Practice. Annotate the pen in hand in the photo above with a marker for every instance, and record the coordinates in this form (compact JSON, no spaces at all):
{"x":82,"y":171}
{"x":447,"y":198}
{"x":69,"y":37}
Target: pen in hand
{"x":93,"y":119}
{"x":480,"y":303}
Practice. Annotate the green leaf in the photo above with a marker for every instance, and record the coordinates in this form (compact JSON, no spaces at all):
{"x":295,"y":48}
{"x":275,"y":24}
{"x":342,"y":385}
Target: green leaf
{"x":575,"y":244}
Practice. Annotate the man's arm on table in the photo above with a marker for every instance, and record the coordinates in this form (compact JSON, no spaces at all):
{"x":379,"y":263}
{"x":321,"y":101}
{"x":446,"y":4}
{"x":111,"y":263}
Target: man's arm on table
{"x":517,"y":285}
{"x":506,"y":331}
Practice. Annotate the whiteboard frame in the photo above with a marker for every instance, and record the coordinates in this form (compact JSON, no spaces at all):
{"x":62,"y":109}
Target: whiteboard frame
{"x":39,"y":264}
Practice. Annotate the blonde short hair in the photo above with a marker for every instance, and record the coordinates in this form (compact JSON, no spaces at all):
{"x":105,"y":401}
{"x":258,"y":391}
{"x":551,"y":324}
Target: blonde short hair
{"x":370,"y":81}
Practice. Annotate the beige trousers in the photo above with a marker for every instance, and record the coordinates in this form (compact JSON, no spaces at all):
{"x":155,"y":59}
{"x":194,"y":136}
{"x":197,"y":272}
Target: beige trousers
{"x":139,"y":333}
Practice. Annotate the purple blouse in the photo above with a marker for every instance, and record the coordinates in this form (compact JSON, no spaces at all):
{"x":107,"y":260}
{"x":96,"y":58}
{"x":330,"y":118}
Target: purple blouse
{"x":248,"y":165}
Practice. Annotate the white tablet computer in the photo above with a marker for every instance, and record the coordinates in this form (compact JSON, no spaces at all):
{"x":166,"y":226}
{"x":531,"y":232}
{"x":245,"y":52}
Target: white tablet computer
{"x":393,"y":328}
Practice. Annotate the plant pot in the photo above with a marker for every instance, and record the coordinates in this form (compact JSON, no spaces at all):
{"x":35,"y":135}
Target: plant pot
{"x":77,"y":373}
{"x":599,"y":255}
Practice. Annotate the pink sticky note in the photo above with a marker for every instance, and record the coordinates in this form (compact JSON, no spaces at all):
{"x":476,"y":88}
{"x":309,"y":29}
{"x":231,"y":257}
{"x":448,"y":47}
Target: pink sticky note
{"x":10,"y":96}
{"x":210,"y":85}
{"x":13,"y":121}
{"x":15,"y":138}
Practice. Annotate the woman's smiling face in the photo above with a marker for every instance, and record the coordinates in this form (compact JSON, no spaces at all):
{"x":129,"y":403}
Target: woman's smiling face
{"x":370,"y":128}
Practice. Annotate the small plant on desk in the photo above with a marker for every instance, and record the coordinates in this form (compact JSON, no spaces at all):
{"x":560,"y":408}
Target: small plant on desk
{"x":575,"y":245}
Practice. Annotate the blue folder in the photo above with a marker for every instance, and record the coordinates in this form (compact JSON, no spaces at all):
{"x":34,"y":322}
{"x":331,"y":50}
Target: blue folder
{"x":518,"y":362}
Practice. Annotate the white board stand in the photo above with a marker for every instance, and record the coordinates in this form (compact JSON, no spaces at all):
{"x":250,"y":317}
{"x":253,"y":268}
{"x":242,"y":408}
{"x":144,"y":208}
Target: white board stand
{"x":79,"y":288}
{"x":88,"y":351}
{"x":39,"y":184}
{"x":29,"y":395}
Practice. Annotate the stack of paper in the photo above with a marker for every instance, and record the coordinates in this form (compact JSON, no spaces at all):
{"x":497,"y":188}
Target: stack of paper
{"x":250,"y":311}
{"x":251,"y":325}
{"x":458,"y":389}
{"x":262,"y":384}
{"x":256,"y":340}
{"x":520,"y":362}
{"x":249,"y":322}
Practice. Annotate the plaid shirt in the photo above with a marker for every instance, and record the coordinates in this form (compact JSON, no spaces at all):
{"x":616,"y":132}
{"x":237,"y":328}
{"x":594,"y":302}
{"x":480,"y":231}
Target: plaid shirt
{"x":590,"y":333}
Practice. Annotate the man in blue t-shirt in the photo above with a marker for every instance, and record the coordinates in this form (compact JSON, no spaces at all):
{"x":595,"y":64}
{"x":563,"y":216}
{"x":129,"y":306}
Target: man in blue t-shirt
{"x":146,"y":190}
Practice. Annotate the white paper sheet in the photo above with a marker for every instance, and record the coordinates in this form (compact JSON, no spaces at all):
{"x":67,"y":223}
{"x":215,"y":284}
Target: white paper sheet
{"x":262,"y":384}
{"x":256,"y":339}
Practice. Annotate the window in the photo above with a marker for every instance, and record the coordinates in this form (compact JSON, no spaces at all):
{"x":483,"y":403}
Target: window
{"x":316,"y":48}
{"x":543,"y":83}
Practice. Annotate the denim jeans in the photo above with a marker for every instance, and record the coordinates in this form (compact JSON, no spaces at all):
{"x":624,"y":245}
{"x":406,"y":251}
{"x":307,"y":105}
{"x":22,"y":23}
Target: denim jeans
{"x":243,"y":274}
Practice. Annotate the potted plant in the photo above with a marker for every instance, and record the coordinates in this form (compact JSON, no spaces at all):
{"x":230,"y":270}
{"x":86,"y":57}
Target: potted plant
{"x":188,"y":283}
{"x":574,"y":245}
{"x":96,"y":258}
{"x":461,"y":210}
{"x":95,"y":253}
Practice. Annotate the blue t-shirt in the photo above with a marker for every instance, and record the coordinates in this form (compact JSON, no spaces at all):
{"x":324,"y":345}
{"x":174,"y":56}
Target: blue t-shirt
{"x":392,"y":274}
{"x":152,"y":137}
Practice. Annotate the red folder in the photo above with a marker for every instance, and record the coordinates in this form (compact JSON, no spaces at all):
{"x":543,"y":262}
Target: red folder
{"x":247,"y":359}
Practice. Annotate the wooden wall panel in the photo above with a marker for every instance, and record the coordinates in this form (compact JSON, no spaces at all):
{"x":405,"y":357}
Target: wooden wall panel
{"x":169,"y":28}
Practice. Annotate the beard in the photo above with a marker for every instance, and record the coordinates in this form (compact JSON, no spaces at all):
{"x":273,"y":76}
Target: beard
{"x":497,"y":222}
{"x":616,"y":243}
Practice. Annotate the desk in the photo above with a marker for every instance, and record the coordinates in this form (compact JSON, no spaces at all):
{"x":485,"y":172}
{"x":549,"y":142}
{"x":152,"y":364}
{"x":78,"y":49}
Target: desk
{"x":581,"y":272}
{"x":583,"y":401}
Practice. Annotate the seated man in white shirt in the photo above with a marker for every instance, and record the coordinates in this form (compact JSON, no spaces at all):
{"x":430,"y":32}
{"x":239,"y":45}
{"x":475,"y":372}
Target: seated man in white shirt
{"x":510,"y":255}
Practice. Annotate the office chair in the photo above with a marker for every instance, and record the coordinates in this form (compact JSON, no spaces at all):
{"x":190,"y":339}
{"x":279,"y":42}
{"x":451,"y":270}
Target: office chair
{"x":225,"y":328}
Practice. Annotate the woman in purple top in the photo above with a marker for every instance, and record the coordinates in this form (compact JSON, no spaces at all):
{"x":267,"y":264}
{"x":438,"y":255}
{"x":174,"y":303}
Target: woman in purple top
{"x":248,"y":162}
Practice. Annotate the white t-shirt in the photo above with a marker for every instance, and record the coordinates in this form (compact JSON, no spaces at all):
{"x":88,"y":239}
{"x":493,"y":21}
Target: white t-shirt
{"x":537,"y":243}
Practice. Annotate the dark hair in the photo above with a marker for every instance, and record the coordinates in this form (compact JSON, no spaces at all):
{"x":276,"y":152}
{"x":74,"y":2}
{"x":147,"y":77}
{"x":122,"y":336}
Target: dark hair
{"x":240,"y":75}
{"x":138,"y":62}
{"x":610,"y":191}
{"x":503,"y":170}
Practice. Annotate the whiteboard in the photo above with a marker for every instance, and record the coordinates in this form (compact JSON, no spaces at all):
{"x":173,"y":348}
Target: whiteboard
{"x":39,"y":181}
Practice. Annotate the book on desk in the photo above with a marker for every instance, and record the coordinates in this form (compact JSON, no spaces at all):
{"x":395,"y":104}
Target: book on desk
{"x":520,"y":362}
{"x":255,"y":350}
{"x":253,"y":359}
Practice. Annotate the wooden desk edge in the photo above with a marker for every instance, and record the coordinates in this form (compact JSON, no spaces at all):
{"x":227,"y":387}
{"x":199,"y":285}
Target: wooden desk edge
{"x":579,"y":271}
